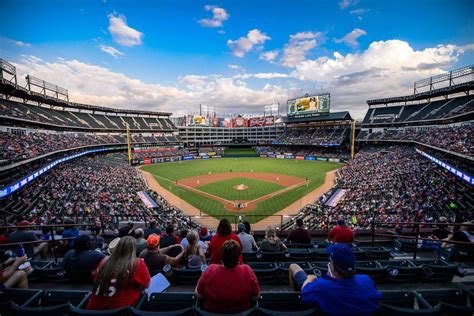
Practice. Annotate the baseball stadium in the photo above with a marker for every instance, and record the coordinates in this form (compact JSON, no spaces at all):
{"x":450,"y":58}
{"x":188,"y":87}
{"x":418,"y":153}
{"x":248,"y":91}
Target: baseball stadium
{"x":215,"y":194}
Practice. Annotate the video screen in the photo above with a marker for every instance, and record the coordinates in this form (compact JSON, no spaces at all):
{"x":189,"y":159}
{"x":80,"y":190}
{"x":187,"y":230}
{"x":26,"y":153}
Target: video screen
{"x":309,"y":105}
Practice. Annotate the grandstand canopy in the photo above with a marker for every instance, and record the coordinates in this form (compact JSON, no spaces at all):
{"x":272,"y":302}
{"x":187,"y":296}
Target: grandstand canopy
{"x":11,"y":89}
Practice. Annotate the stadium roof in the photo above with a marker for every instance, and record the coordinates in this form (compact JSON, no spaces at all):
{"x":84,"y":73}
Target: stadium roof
{"x":9,"y":88}
{"x":334,"y":116}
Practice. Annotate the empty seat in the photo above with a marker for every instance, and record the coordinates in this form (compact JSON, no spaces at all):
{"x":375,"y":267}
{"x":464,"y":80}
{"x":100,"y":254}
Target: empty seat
{"x":266,"y":272}
{"x":56,"y":310}
{"x":19,"y":297}
{"x":56,"y":298}
{"x":403,"y":303}
{"x":249,"y":257}
{"x":185,"y":276}
{"x":110,"y":312}
{"x":279,"y":256}
{"x":373,"y":269}
{"x":319,"y":254}
{"x":436,"y":270}
{"x":167,"y":302}
{"x":299,"y":254}
{"x":283,"y":270}
{"x":288,"y":303}
{"x":453,"y":302}
{"x":377,"y":253}
{"x":401,"y":270}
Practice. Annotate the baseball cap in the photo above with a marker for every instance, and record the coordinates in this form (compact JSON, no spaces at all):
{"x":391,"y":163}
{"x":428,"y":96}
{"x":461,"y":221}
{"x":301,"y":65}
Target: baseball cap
{"x":81,"y":242}
{"x":203,"y":231}
{"x":342,"y":256}
{"x":341,"y":222}
{"x":153,"y":241}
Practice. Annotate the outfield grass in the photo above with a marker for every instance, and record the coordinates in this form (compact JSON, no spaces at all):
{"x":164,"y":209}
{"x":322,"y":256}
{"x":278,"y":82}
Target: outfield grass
{"x":167,"y":173}
{"x":225,"y":189}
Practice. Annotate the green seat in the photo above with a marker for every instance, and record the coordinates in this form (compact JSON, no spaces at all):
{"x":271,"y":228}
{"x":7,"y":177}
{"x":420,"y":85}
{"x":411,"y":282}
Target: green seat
{"x":401,"y":271}
{"x":287,"y":303}
{"x":373,"y":269}
{"x":436,"y":270}
{"x":167,"y":302}
{"x":283,"y":270}
{"x":266,"y":272}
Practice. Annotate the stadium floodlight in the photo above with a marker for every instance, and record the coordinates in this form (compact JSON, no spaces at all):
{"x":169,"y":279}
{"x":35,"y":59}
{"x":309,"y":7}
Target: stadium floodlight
{"x":206,"y":110}
{"x":7,"y":71}
{"x":44,"y":86}
{"x":275,"y":107}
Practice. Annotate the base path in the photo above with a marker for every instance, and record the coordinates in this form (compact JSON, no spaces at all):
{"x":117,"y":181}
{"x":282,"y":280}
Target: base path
{"x":212,"y":222}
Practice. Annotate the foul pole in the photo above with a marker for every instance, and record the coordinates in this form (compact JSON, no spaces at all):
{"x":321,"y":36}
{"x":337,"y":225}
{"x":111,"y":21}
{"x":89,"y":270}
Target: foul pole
{"x":129,"y":144}
{"x":353,"y":138}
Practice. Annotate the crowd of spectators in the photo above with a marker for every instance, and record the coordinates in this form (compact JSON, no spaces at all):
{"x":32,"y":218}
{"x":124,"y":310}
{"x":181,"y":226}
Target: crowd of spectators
{"x":319,"y":136}
{"x":393,"y":185}
{"x":322,"y":152}
{"x":457,"y":138}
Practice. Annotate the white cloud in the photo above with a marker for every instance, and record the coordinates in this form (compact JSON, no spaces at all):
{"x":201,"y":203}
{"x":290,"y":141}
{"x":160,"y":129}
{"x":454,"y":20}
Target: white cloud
{"x":9,"y":41}
{"x":384,"y":69}
{"x":296,"y":49}
{"x":269,"y":56}
{"x":219,"y":15}
{"x":245,"y":43}
{"x":263,"y":75}
{"x":347,"y":3}
{"x":351,"y":37}
{"x":112,"y":51}
{"x":234,"y":67}
{"x":123,"y":34}
{"x":359,"y":11}
{"x":92,"y":84}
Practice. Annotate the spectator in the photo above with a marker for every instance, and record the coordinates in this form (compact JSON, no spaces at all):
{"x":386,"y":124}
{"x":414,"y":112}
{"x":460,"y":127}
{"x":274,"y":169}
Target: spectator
{"x":224,"y":233}
{"x":204,"y":235}
{"x":183,"y":236}
{"x":11,"y":277}
{"x":45,"y":233}
{"x":152,"y":229}
{"x":69,"y":232}
{"x":3,"y":236}
{"x":248,"y":228}
{"x":193,"y":253}
{"x":156,"y":259}
{"x":97,"y":241}
{"x":341,"y":234}
{"x":341,"y":292}
{"x":299,"y":235}
{"x":442,"y":232}
{"x":141,"y":242}
{"x":170,"y":238}
{"x":228,"y":288}
{"x":272,"y":243}
{"x":21,"y":235}
{"x":80,"y":262}
{"x":119,"y":279}
{"x":248,"y":242}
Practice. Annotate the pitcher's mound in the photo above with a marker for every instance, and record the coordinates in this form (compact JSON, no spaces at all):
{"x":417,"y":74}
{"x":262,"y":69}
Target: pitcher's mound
{"x":241,"y":187}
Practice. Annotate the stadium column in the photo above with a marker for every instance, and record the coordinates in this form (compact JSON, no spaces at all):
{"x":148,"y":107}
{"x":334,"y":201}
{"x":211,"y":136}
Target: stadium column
{"x":129,"y":143}
{"x":353,"y":139}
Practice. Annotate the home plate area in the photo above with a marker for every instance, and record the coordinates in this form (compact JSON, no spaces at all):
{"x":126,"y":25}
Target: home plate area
{"x":241,"y":191}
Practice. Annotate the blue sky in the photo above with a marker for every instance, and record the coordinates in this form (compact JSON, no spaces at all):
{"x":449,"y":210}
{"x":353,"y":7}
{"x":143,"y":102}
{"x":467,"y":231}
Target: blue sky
{"x":236,"y":55}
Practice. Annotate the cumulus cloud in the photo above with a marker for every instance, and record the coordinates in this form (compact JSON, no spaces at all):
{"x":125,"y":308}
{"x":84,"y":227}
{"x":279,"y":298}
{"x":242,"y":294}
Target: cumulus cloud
{"x":234,"y":67}
{"x":296,"y":49}
{"x":122,"y":33}
{"x":92,"y":84}
{"x":347,"y":3}
{"x":219,"y":15}
{"x":351,"y":37}
{"x":384,"y":69}
{"x":112,"y":51}
{"x":9,"y":41}
{"x":245,"y":44}
{"x":263,"y":75}
{"x":269,"y":56}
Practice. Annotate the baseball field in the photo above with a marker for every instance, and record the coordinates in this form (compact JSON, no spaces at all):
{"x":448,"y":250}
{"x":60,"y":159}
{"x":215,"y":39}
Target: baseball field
{"x":254,"y":187}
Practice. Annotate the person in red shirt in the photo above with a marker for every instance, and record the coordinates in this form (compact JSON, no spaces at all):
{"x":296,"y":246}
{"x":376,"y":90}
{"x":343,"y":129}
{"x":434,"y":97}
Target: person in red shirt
{"x":229,"y":288}
{"x":341,"y":234}
{"x":119,"y":279}
{"x":224,"y":233}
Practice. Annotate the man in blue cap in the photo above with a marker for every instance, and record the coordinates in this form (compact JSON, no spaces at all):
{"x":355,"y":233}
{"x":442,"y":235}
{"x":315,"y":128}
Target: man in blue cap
{"x":341,"y":291}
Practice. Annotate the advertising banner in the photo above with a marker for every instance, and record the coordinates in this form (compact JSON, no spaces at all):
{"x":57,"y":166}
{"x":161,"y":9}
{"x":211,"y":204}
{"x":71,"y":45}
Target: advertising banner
{"x":261,"y":121}
{"x":224,"y":122}
{"x":146,"y":199}
{"x":289,"y":157}
{"x":205,"y":157}
{"x":215,"y":121}
{"x":271,"y":156}
{"x":299,"y":157}
{"x":334,"y":160}
{"x":239,"y":121}
{"x":263,"y":156}
{"x":322,"y":159}
{"x":211,"y":153}
{"x":280,"y":156}
{"x":188,"y":157}
{"x":309,"y":105}
{"x":202,"y":154}
{"x":217,"y":156}
{"x":309,"y":158}
{"x":147,"y":161}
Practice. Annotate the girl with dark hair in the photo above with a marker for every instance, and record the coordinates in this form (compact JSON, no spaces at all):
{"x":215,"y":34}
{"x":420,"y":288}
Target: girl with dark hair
{"x":119,"y":279}
{"x":224,"y":233}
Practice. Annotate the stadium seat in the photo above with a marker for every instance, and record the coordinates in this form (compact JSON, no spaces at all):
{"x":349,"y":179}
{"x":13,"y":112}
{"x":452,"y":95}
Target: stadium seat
{"x":287,"y":303}
{"x":53,"y":272}
{"x":400,"y":271}
{"x":60,"y":297}
{"x":373,"y":269}
{"x":20,"y":297}
{"x":111,"y":312}
{"x":279,"y":256}
{"x":185,"y":276}
{"x":249,"y":257}
{"x":388,"y":310}
{"x":320,"y":265}
{"x":319,"y":254}
{"x":283,"y":270}
{"x":299,"y":254}
{"x":453,"y":302}
{"x":403,"y":303}
{"x":56,"y":310}
{"x":436,"y":270}
{"x":199,"y":311}
{"x":404,"y":245}
{"x":296,"y":245}
{"x":266,"y":272}
{"x":376,"y":253}
{"x":360,"y":254}
{"x":170,"y":303}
